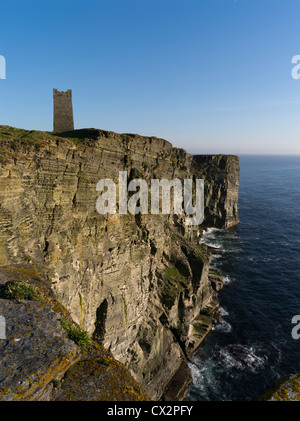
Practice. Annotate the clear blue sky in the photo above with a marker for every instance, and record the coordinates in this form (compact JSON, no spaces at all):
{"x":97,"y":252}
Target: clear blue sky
{"x":211,"y":76}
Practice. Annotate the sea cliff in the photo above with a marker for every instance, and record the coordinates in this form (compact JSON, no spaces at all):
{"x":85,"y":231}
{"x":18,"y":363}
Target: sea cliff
{"x":140,"y":285}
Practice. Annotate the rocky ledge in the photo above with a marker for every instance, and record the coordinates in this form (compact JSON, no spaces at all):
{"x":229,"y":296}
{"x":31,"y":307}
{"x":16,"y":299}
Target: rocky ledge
{"x":139,"y":285}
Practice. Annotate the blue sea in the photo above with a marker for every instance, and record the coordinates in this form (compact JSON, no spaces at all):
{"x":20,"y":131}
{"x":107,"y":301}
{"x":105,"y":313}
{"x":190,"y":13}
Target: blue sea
{"x":260,"y":261}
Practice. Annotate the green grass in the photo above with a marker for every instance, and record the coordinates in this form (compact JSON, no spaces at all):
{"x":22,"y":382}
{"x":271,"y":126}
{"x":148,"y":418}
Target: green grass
{"x":19,"y":290}
{"x":79,"y":336}
{"x":171,"y":272}
{"x":105,"y":361}
{"x":203,"y":253}
{"x":206,"y":310}
{"x":56,"y":383}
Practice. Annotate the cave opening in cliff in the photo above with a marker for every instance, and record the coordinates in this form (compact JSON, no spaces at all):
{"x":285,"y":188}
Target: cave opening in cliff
{"x":101,"y":316}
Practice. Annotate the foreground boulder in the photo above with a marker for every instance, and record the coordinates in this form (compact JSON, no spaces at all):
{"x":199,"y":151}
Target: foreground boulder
{"x":40,"y":362}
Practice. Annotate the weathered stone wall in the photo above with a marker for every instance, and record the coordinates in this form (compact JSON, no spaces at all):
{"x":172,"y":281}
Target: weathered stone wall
{"x":63,"y":120}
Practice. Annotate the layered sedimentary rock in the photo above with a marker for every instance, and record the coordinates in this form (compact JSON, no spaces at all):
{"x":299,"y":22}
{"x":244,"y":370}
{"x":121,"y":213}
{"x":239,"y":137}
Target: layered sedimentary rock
{"x":139,"y":284}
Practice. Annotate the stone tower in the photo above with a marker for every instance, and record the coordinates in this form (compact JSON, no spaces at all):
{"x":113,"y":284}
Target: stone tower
{"x":62,"y":111}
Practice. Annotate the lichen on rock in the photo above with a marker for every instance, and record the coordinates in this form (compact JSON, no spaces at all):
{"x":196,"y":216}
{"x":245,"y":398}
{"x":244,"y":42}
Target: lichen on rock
{"x":287,"y":389}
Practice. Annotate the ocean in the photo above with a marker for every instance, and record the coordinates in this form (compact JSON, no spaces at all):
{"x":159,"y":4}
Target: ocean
{"x":252,"y":345}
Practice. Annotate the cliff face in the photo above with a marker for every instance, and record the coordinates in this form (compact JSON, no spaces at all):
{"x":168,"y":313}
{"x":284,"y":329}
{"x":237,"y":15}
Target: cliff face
{"x":139,"y":284}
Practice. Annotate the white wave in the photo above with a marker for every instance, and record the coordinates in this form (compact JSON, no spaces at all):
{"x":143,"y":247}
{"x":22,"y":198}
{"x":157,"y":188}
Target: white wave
{"x":229,"y":360}
{"x":211,"y":233}
{"x":223,"y":312}
{"x":213,"y":245}
{"x":223,"y":326}
{"x":268,"y":259}
{"x":227,"y":280}
{"x":246,"y":358}
{"x":204,"y":377}
{"x":234,"y":249}
{"x":212,"y":230}
{"x":196,"y":373}
{"x":255,"y":360}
